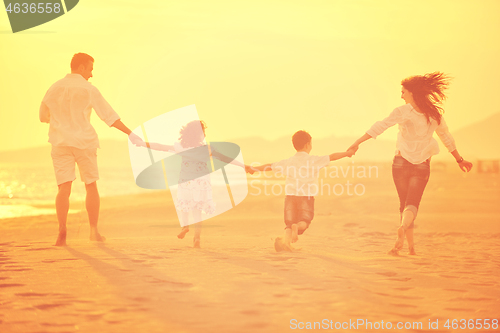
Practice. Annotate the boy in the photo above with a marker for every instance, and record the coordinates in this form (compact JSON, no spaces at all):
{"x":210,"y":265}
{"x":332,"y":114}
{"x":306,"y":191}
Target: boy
{"x":302,"y":171}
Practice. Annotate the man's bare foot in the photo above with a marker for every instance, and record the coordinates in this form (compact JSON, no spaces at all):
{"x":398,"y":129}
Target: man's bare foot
{"x":61,"y":239}
{"x":96,"y":236}
{"x":412,"y":251}
{"x":196,"y":243}
{"x":183,"y":232}
{"x":401,"y":238}
{"x":295,"y":233}
{"x":278,"y":244}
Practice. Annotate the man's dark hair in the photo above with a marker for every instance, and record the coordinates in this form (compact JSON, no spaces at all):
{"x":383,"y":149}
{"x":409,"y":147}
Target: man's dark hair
{"x":80,"y":59}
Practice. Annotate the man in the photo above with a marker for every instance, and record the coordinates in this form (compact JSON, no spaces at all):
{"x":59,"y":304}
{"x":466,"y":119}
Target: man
{"x":67,"y":106}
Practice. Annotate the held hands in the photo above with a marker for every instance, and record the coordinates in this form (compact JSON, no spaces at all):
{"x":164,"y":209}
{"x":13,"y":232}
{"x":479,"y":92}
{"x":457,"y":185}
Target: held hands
{"x":136,"y":140}
{"x":352,"y":150}
{"x":249,"y":169}
{"x":465,"y":166}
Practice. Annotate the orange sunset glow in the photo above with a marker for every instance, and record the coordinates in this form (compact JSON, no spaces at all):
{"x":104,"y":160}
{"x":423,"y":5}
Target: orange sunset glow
{"x":195,"y":215}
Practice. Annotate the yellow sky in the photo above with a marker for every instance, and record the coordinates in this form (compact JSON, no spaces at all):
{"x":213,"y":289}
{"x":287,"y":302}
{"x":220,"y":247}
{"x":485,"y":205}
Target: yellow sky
{"x":255,"y":68}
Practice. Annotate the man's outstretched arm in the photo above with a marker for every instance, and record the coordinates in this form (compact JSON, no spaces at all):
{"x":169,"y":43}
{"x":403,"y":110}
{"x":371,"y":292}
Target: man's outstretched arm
{"x":135,"y":139}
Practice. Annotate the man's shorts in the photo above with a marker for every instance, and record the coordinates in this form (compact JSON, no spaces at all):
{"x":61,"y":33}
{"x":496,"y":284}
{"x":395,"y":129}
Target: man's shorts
{"x":298,"y":209}
{"x":64,"y":158}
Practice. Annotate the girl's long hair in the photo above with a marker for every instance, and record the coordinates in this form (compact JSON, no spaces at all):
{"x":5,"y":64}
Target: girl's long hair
{"x":190,"y":135}
{"x":428,"y":93}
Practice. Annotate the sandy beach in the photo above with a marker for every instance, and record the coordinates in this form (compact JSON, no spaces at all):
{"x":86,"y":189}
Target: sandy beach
{"x":144,"y":279}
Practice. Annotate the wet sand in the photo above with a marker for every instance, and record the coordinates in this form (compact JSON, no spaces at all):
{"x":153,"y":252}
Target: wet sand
{"x":144,"y":279}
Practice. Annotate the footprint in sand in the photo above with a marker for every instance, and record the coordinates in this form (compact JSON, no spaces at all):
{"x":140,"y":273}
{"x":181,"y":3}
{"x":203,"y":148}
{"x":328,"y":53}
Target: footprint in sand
{"x":473,"y":299}
{"x":119,"y":310}
{"x":456,"y":290}
{"x":41,"y":249}
{"x":49,"y":306}
{"x":174,"y":283}
{"x":94,"y":316}
{"x":388,"y":273}
{"x":32,"y":294}
{"x":400,"y":279}
{"x":399,"y":305}
{"x":410,"y":297}
{"x":17,"y":270}
{"x":10,"y":285}
{"x":460,"y":310}
{"x":57,"y":325}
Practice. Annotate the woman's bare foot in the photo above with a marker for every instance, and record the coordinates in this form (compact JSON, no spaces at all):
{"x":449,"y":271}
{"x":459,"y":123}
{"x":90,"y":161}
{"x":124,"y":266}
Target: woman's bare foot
{"x":412,"y":251}
{"x":183,"y":232}
{"x":295,"y":233}
{"x":61,"y":239}
{"x":196,"y":243}
{"x":401,"y":238}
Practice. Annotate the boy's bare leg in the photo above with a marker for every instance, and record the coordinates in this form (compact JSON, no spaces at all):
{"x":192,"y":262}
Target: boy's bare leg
{"x":185,"y":228}
{"x":287,"y":246}
{"x":197,"y":229}
{"x":62,"y":208}
{"x":295,"y":232}
{"x":93,"y":204}
{"x":296,"y":229}
{"x":411,"y":245}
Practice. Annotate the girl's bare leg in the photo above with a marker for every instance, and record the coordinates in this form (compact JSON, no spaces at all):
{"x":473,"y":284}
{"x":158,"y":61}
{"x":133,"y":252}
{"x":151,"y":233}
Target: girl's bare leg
{"x":197,"y":228}
{"x":185,"y":228}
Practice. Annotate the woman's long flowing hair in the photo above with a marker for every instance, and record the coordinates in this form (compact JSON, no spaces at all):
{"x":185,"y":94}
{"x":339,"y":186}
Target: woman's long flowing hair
{"x":191,"y":134}
{"x":428,"y":93}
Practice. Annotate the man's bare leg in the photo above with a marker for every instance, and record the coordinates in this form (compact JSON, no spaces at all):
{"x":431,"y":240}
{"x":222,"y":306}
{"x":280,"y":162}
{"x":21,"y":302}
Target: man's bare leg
{"x":197,"y":229}
{"x":93,"y":204}
{"x":62,"y":207}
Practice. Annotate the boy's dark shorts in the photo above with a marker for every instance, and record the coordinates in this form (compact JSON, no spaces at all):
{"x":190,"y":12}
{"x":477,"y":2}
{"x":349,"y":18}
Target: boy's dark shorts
{"x":298,"y":209}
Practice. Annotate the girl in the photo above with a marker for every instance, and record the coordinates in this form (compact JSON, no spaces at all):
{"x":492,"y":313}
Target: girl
{"x":194,"y":192}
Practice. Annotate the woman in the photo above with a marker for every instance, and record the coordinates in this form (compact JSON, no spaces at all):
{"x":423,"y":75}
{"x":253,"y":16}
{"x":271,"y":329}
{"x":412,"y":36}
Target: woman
{"x":418,"y":119}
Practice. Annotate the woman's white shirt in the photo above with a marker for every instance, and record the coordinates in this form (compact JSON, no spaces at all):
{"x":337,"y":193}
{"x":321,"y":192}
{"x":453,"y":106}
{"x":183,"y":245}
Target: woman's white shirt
{"x":415,"y":142}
